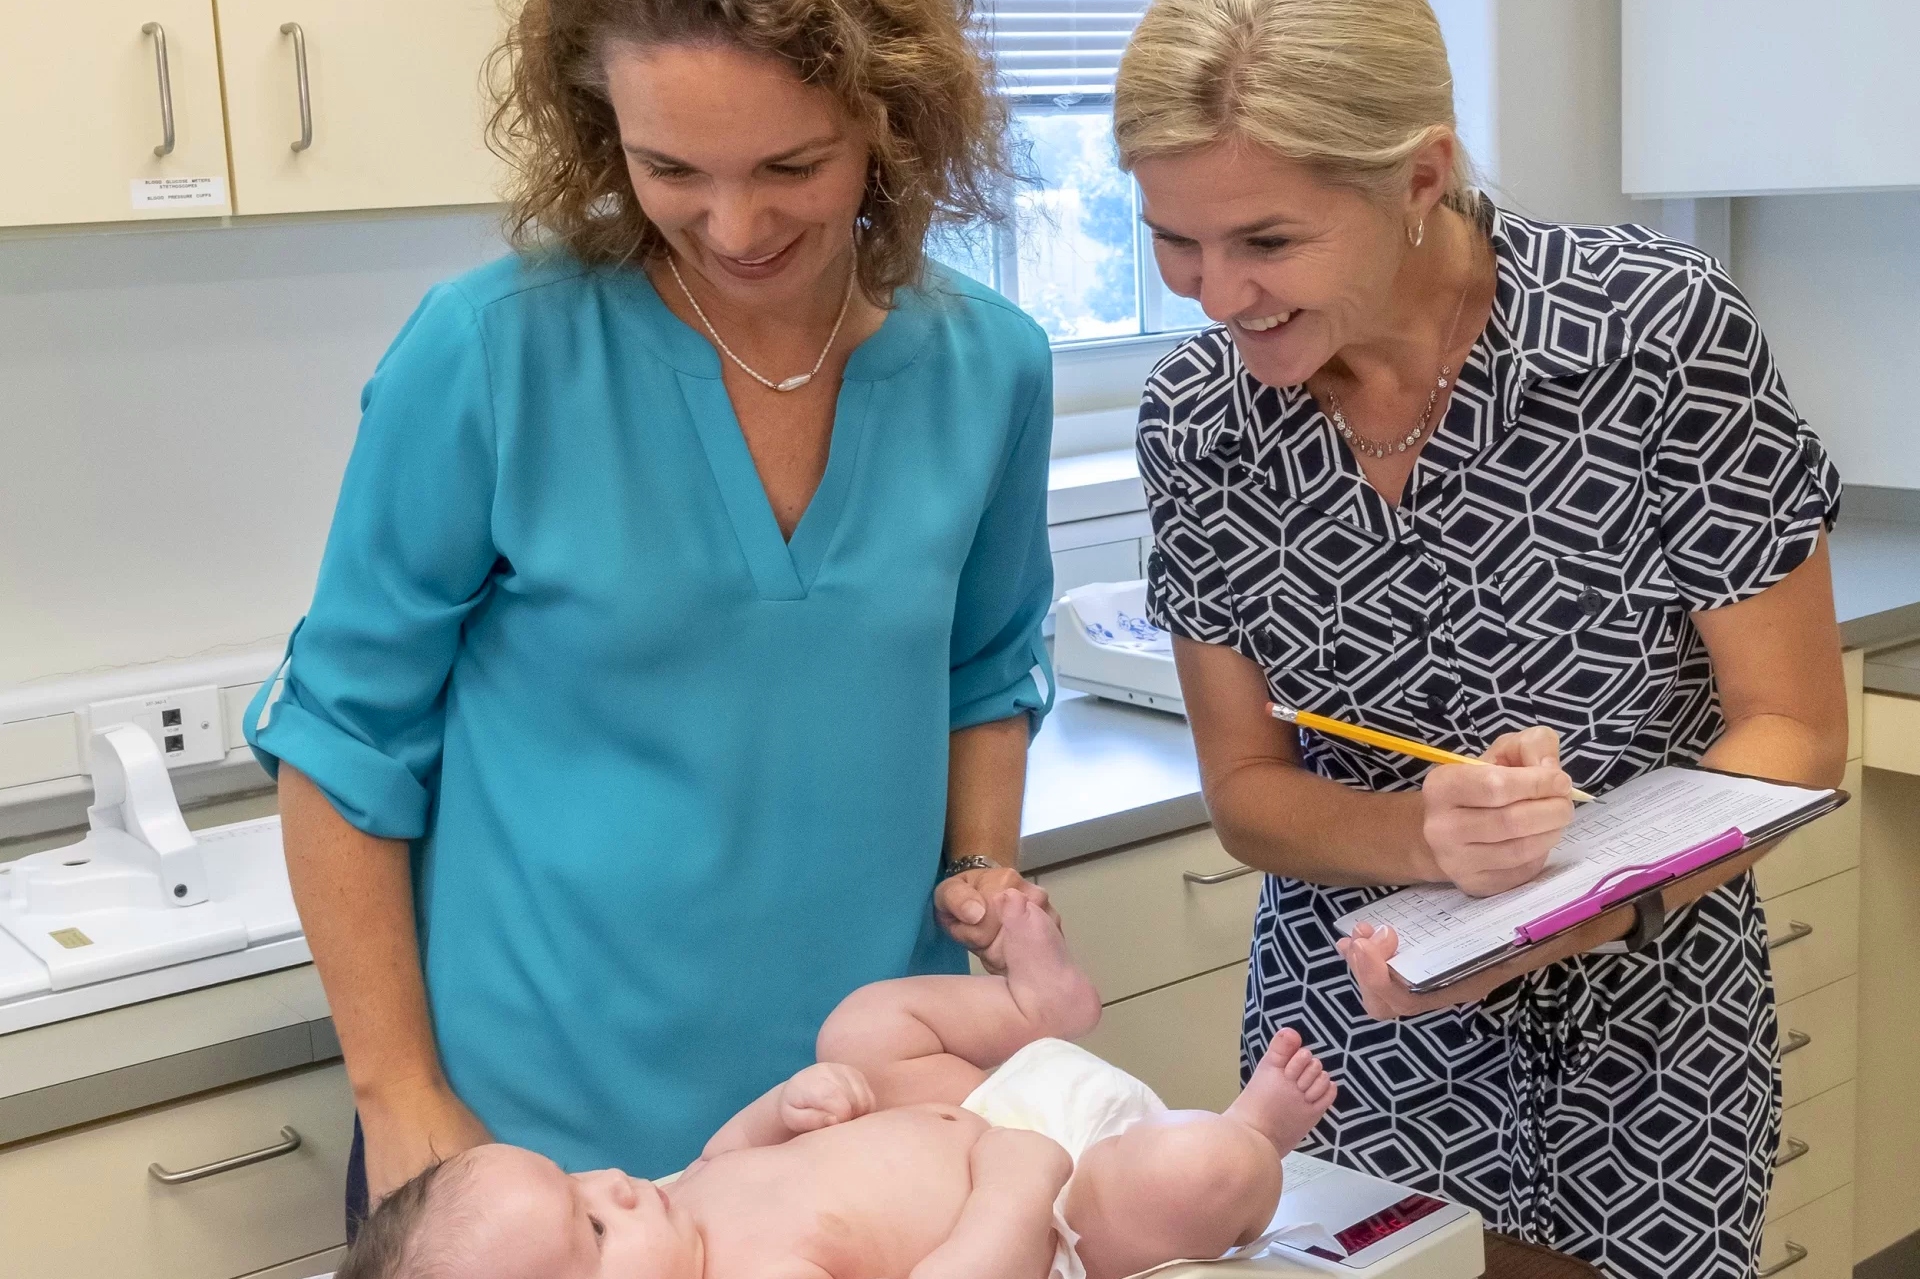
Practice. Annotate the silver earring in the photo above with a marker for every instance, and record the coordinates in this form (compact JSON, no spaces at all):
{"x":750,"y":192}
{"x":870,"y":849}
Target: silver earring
{"x":1418,"y":237}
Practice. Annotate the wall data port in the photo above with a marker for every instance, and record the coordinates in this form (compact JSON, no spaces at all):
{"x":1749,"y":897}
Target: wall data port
{"x":184,"y":723}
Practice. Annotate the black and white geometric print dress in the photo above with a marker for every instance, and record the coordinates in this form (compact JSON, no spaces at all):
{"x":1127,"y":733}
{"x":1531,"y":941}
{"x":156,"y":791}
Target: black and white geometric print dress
{"x":1619,"y":452}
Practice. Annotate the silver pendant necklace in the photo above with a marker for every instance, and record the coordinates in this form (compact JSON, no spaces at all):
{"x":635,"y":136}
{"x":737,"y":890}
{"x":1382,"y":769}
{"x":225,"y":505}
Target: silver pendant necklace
{"x":1376,"y":450}
{"x":798,"y":380}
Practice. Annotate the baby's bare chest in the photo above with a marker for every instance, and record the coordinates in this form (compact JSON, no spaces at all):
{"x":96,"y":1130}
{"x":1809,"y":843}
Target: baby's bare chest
{"x":873,"y":1196}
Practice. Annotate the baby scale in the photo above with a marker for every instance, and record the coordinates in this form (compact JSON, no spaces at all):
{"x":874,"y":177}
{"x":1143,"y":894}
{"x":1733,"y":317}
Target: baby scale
{"x":1103,"y":644}
{"x":1336,"y":1221}
{"x":142,"y":907}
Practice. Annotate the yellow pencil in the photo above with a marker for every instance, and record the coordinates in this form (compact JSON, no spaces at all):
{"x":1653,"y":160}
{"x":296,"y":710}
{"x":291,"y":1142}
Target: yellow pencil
{"x":1385,"y":741}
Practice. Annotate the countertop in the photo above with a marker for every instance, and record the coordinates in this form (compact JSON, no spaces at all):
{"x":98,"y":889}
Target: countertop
{"x":1100,"y":776}
{"x":1876,"y":581}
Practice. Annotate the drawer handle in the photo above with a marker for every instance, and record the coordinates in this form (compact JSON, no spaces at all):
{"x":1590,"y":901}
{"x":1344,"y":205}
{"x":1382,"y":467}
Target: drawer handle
{"x":300,"y":82}
{"x":288,"y":1143}
{"x":161,"y":69}
{"x":1218,"y":877}
{"x":1795,"y":1255}
{"x":1796,"y":1149}
{"x":1796,"y":1040}
{"x":1795,"y":931}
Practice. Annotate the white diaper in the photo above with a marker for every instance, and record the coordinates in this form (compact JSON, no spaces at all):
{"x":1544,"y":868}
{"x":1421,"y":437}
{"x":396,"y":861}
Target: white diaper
{"x":1064,"y":1092}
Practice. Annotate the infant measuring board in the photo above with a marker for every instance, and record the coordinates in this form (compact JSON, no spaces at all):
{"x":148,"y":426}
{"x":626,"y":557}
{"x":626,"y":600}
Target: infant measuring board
{"x":141,"y":907}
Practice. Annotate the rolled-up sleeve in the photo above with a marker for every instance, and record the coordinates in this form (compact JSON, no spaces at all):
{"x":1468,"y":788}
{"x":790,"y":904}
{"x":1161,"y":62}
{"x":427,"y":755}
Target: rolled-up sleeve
{"x":1743,"y":484}
{"x":999,"y":659}
{"x":359,"y":705}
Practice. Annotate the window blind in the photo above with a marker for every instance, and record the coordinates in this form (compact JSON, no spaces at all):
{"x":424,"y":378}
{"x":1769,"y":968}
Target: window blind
{"x":1060,"y":48}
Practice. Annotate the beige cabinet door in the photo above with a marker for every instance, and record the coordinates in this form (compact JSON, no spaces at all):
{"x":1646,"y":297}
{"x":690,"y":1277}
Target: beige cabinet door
{"x":81,"y":112}
{"x":88,"y":1204}
{"x":1183,"y":1040}
{"x":392,"y":114}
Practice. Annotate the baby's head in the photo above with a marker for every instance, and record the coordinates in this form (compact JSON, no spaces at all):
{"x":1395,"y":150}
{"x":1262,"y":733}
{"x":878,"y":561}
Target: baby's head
{"x":500,"y":1212}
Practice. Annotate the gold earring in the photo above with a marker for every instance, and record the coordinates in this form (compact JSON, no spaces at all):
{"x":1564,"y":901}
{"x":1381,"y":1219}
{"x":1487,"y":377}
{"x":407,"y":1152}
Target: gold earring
{"x":1418,"y":237}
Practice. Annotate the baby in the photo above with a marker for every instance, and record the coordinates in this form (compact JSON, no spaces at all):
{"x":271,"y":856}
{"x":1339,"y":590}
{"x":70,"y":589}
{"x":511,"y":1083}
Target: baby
{"x":947,"y":1132}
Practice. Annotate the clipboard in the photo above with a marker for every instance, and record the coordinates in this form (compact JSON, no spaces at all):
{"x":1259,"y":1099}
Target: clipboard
{"x":1643,"y":891}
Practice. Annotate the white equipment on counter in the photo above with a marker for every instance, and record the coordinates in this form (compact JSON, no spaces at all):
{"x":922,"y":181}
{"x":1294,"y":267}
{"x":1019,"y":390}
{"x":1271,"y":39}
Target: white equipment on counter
{"x":1336,"y":1221}
{"x":141,"y":907}
{"x":1104,"y":645}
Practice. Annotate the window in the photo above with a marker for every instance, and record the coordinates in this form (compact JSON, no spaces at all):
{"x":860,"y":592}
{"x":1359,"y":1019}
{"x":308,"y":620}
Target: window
{"x":1073,"y":252}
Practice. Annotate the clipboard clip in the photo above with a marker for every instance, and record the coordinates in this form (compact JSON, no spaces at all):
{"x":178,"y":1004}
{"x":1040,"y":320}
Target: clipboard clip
{"x":1649,"y":918}
{"x":1641,"y":886}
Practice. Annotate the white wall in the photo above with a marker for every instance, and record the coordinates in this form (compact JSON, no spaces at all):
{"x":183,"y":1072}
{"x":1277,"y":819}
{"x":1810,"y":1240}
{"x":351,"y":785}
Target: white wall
{"x":1557,"y":111}
{"x":176,"y":406}
{"x":1835,"y":280}
{"x":176,"y":403}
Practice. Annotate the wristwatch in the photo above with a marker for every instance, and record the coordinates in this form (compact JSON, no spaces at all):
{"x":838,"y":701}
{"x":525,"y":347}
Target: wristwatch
{"x":961,"y":865}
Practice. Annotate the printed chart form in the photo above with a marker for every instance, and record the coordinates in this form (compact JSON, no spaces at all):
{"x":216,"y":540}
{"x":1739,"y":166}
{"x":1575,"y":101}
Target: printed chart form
{"x":1649,"y":818}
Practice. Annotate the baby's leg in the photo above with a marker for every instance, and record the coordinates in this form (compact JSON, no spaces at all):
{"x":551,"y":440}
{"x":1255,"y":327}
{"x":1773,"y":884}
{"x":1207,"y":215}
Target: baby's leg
{"x":1193,"y":1183}
{"x":920,"y":1038}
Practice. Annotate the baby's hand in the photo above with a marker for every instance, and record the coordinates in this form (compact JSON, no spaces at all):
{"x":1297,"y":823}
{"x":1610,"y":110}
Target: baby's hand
{"x":823,"y":1095}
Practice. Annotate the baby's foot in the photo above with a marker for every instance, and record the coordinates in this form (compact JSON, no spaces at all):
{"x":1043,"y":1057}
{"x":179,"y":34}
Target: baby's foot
{"x":1288,"y":1093}
{"x":1050,"y":990}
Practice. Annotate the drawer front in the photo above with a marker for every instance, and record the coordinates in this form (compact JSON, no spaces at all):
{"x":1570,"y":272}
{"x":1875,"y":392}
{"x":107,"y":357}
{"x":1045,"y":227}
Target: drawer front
{"x":1830,"y":951}
{"x":1892,"y":738}
{"x":1183,"y":1040}
{"x":319,"y":1264}
{"x":1815,"y":852}
{"x":1822,"y":1231}
{"x":1135,"y":922}
{"x":1828,"y":1020}
{"x":1824,"y":1126}
{"x":84,"y":1206}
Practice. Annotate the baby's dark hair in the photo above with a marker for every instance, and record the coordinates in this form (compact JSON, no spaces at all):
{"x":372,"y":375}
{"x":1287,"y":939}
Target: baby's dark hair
{"x":394,"y":1241}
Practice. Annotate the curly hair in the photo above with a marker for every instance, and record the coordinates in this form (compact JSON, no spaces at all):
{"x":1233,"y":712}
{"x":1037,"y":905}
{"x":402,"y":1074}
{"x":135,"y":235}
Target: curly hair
{"x":907,"y":71}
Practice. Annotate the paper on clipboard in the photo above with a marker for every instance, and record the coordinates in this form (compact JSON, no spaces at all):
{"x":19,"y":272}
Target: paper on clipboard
{"x":1653,"y":816}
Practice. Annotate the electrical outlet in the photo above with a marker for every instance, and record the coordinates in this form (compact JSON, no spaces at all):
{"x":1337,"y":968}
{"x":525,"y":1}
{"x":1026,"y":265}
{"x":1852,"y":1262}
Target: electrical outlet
{"x":183,"y":722}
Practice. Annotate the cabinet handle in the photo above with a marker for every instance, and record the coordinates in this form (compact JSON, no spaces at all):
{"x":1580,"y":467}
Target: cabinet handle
{"x":1795,"y":1255}
{"x":159,"y":34}
{"x":1218,"y":877}
{"x":300,"y":78}
{"x":1796,"y":1040}
{"x":288,"y":1143}
{"x":1795,"y":1149}
{"x":1795,"y":931}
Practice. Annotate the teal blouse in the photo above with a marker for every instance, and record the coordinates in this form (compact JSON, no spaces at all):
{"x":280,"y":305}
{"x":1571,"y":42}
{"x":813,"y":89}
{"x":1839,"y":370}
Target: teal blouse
{"x":674,"y":785}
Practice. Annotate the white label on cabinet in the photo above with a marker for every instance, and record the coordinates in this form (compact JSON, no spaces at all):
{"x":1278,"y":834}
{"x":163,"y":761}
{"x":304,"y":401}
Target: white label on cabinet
{"x":167,"y":193}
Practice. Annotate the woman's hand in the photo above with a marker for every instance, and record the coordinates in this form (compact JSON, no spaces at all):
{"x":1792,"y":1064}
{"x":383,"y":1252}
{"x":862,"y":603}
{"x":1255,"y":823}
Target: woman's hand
{"x":405,"y":1134}
{"x":1382,"y":992}
{"x":965,"y":906}
{"x":1490,"y":829}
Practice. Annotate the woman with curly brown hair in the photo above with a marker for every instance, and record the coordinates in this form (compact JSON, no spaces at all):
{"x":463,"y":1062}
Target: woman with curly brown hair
{"x":683,"y":600}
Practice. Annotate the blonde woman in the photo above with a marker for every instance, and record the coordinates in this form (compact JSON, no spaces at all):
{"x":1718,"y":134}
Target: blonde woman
{"x":684,"y":595}
{"x":1530,"y":490}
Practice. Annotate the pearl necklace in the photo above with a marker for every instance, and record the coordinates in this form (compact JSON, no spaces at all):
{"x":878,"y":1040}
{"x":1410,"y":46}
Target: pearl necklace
{"x":1361,"y":444}
{"x":798,"y":380}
